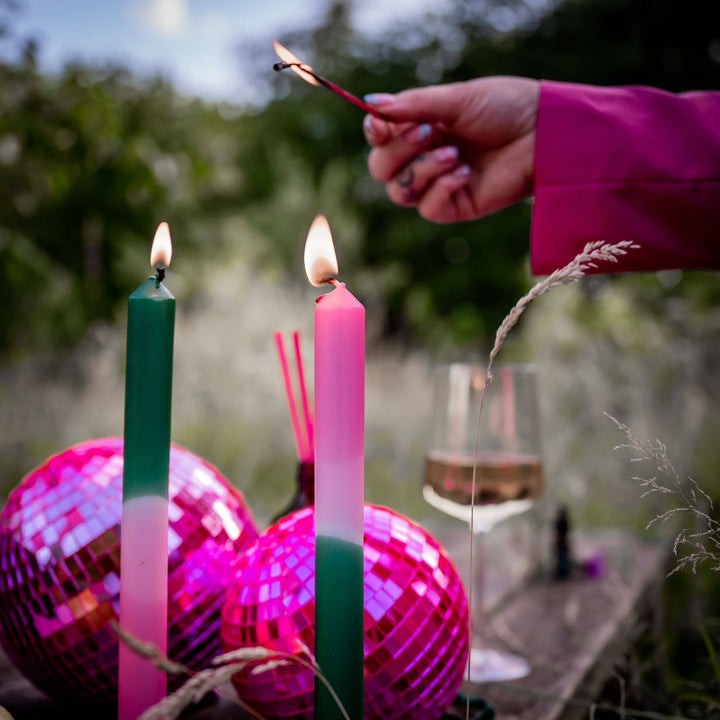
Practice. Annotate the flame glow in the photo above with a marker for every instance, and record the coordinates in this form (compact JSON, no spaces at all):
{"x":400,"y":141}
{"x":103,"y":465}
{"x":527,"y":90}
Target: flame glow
{"x":320,"y":259}
{"x":286,"y":56}
{"x":161,"y":253}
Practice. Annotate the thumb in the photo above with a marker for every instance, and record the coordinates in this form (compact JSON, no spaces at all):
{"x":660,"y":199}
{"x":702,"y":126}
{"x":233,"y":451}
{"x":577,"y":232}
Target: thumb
{"x":431,"y":104}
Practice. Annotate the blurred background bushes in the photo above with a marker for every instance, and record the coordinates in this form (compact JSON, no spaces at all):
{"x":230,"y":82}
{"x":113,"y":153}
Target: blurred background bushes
{"x":92,"y":158}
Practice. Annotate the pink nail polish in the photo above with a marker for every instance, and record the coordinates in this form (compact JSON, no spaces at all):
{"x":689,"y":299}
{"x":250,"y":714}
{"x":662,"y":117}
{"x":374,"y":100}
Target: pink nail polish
{"x":463,"y":171}
{"x":445,"y":154}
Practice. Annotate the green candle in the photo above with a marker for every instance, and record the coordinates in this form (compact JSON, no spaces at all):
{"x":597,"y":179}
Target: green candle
{"x":339,"y":627}
{"x":144,"y":533}
{"x":148,"y":389}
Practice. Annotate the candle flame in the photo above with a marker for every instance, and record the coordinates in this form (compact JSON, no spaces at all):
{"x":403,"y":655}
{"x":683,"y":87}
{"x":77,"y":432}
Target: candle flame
{"x":161,"y":253}
{"x":294,"y":62}
{"x":321,"y":264}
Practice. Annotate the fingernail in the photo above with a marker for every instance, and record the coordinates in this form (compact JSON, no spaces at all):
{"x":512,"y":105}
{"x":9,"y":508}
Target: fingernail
{"x":464,"y":171}
{"x":379,"y":99}
{"x":445,"y":154}
{"x":368,"y":127}
{"x":418,"y":134}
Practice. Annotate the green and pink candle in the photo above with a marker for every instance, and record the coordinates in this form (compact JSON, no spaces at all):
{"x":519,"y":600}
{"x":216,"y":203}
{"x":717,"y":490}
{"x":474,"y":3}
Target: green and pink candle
{"x":339,"y":430}
{"x":144,"y":537}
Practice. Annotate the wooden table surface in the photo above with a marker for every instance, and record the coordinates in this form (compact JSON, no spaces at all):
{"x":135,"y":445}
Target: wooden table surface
{"x":574,"y":632}
{"x":571,"y":631}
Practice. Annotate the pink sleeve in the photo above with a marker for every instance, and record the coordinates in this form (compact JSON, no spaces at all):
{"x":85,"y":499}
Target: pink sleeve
{"x":627,"y":164}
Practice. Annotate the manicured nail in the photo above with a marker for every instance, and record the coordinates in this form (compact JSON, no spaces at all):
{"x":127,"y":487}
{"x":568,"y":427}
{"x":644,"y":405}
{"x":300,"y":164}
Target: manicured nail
{"x":446,"y":154}
{"x":463,"y":171}
{"x":368,"y":127}
{"x":379,"y":99}
{"x":418,"y":134}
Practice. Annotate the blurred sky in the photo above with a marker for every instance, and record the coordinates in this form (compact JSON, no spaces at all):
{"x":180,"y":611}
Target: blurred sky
{"x":191,"y":41}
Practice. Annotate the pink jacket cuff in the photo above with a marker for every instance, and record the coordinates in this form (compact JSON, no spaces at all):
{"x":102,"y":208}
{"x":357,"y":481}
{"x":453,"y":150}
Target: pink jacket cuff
{"x":628,"y":163}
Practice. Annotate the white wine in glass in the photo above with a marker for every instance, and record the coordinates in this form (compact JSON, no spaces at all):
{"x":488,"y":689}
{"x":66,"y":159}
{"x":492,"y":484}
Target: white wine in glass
{"x":505,"y":458}
{"x":506,"y":484}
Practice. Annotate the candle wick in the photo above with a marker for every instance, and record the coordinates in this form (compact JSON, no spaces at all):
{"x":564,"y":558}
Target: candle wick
{"x":160,"y":275}
{"x":334,"y":281}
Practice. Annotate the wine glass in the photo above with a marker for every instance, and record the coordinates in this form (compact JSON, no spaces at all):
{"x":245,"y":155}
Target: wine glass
{"x":508,"y":467}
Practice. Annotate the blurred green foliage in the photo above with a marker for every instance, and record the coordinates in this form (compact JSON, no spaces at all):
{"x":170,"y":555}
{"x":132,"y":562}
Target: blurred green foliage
{"x":453,"y":284}
{"x":90,"y":162}
{"x":93,"y":158}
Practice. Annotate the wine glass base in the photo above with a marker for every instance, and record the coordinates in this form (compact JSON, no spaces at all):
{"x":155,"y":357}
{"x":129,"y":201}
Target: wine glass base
{"x":487,"y":665}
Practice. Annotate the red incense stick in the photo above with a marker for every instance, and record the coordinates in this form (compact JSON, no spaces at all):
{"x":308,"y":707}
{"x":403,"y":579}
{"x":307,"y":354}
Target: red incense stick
{"x":302,"y":450}
{"x":304,"y":396}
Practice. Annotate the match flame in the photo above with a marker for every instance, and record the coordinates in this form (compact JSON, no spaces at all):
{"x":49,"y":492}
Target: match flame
{"x":294,"y":62}
{"x":161,"y":253}
{"x":320,"y":260}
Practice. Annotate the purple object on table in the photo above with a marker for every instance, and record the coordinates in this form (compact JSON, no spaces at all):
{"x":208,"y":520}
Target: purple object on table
{"x":593,"y":566}
{"x":60,"y":566}
{"x":416,"y":618}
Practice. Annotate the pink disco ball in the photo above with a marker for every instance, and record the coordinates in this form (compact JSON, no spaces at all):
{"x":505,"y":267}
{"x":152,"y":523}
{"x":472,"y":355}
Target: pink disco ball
{"x":60,"y":566}
{"x":416,"y":618}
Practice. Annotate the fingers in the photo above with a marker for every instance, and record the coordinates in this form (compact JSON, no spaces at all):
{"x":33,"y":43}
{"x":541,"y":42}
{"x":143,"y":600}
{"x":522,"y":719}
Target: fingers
{"x":377,"y":132}
{"x":432,"y":104}
{"x":491,"y":120}
{"x":487,"y":112}
{"x":495,"y":181}
{"x":407,"y":142}
{"x":449,"y":199}
{"x":408,"y":185}
{"x":436,"y":104}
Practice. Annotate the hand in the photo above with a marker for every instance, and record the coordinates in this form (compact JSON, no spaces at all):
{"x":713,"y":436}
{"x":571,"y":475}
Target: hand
{"x":457,"y":151}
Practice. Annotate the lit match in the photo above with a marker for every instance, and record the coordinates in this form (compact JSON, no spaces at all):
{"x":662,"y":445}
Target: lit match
{"x":308,"y":75}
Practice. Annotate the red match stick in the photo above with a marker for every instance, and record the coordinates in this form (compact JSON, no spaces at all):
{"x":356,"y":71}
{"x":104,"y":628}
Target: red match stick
{"x":306,"y":73}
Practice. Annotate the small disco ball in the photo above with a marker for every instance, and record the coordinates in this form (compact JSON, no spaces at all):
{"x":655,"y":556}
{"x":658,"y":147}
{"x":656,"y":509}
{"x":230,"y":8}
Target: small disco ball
{"x":416,"y":618}
{"x":60,"y":566}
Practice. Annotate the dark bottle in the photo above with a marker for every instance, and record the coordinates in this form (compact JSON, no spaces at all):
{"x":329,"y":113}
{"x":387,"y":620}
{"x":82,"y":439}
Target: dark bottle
{"x":304,"y":490}
{"x":563,"y":553}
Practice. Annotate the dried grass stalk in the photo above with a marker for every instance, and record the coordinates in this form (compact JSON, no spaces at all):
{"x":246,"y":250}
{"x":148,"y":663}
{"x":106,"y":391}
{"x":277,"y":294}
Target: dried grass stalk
{"x":224,"y":666}
{"x":697,"y":545}
{"x":592,"y":254}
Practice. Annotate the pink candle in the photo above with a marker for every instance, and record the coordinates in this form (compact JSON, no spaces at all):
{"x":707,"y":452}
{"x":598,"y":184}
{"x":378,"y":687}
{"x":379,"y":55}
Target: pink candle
{"x":339,"y":415}
{"x":143,"y":602}
{"x":339,"y":481}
